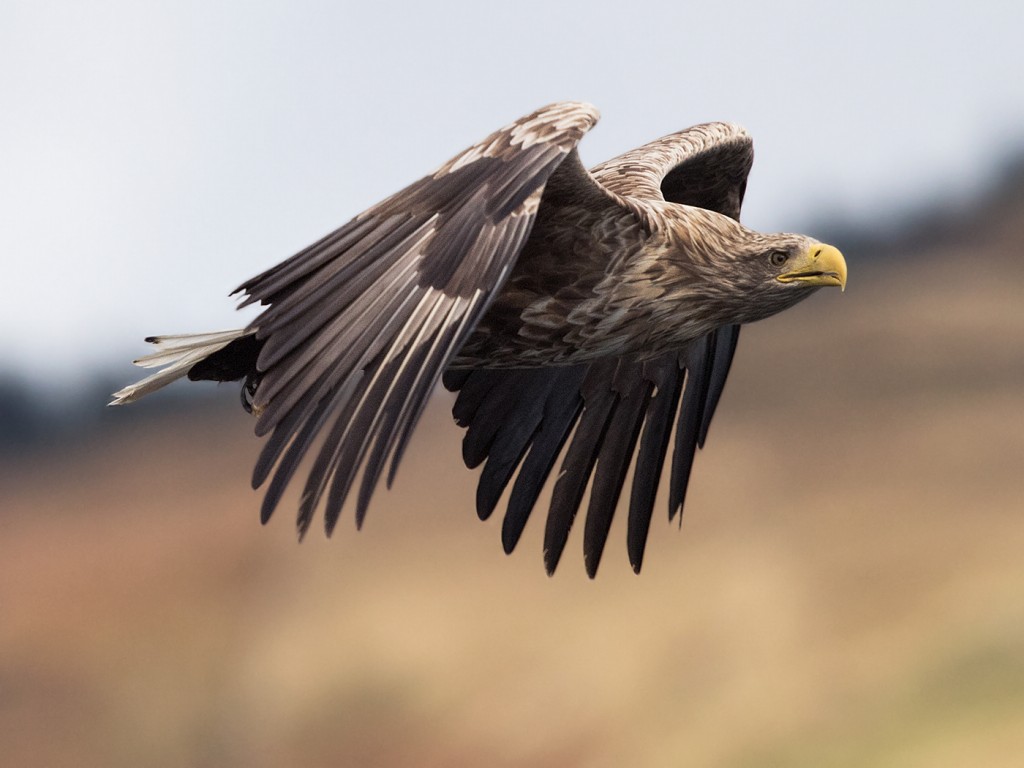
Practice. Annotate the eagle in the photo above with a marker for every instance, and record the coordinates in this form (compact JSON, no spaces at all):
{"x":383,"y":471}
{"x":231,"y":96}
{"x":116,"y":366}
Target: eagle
{"x":587,"y":316}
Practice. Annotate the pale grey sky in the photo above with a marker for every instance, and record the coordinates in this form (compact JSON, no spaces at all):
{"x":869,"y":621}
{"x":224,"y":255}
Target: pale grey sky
{"x":154,"y":155}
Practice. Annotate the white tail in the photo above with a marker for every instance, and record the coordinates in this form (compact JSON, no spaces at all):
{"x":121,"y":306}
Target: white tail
{"x":175,"y":354}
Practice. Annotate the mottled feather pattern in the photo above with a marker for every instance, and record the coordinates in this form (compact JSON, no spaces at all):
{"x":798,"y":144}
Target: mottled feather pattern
{"x":707,"y":163}
{"x":558,"y":126}
{"x":587,"y":319}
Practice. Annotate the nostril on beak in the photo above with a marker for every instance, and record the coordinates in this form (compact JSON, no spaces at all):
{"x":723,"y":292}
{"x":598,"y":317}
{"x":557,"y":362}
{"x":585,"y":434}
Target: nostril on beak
{"x":817,"y":253}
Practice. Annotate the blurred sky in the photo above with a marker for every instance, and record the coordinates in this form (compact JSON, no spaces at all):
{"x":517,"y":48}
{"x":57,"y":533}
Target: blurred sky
{"x":154,"y":155}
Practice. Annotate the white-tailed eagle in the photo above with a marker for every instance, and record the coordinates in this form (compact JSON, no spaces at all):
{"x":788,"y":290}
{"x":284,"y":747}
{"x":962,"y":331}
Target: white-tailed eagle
{"x":596,"y":308}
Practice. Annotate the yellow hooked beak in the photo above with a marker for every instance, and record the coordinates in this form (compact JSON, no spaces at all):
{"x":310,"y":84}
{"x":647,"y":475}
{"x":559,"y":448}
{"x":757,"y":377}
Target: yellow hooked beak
{"x":820,"y":265}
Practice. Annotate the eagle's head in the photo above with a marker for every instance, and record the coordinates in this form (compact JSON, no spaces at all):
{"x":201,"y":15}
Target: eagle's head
{"x":774,"y":272}
{"x":746,"y":276}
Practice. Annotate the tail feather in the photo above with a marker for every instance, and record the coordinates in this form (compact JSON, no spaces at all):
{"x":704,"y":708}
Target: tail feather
{"x":175,"y":355}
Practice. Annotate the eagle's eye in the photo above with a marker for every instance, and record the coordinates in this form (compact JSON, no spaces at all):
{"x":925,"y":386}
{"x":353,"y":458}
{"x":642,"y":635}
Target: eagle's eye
{"x":778,"y":258}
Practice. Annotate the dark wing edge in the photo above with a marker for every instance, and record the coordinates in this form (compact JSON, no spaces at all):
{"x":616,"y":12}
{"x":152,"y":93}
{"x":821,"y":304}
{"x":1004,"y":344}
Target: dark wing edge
{"x":612,"y":409}
{"x":361,"y":324}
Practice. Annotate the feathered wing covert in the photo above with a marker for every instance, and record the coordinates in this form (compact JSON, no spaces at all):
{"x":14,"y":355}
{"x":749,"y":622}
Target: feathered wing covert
{"x":360,"y":326}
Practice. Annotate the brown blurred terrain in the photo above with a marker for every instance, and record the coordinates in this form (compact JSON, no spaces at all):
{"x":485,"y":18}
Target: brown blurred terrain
{"x":847,"y":588}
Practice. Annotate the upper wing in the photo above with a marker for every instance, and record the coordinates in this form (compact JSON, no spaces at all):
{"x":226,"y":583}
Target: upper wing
{"x":705,"y":166}
{"x":362,"y":323}
{"x":613,"y":408}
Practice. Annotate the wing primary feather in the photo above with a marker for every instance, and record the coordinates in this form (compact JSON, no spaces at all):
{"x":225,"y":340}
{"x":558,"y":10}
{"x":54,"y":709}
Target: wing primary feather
{"x":293,"y":456}
{"x":475,"y":387}
{"x":697,"y":359}
{"x":311,"y":306}
{"x":725,"y":343}
{"x":454,"y":379}
{"x":343,"y":454}
{"x":309,"y":259}
{"x":512,"y":438}
{"x":518,"y":227}
{"x":363,"y":427}
{"x":411,"y":386}
{"x":599,"y":402}
{"x":561,"y":410}
{"x":612,"y":466}
{"x":279,"y":440}
{"x":492,"y":413}
{"x":342,"y":405}
{"x":390,"y":280}
{"x":383,"y":432}
{"x":347,"y":440}
{"x":668,"y":381}
{"x":352,"y":263}
{"x":346,"y":343}
{"x":420,"y":396}
{"x":339,"y":356}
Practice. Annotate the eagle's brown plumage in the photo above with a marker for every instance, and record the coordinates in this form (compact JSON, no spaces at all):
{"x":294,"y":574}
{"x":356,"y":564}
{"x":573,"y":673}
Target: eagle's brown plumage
{"x":603,"y":306}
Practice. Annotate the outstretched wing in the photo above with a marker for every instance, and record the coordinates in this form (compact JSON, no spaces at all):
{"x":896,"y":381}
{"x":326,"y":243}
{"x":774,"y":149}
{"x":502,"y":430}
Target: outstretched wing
{"x":361,"y":324}
{"x":614,"y":409}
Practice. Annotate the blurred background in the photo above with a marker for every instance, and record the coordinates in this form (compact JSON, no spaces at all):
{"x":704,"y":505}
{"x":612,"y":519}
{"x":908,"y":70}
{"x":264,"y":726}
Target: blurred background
{"x":846,"y":589}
